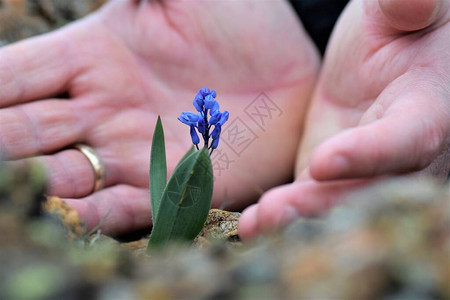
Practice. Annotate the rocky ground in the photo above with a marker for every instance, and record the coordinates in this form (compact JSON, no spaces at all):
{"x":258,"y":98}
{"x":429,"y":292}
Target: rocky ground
{"x":391,"y":241}
{"x":20,"y":19}
{"x":387,"y":242}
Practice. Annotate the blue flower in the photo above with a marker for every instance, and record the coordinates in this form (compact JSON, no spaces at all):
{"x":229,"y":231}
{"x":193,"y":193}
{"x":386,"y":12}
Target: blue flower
{"x":203,"y":102}
{"x":216,"y":132}
{"x":189,"y":118}
{"x":215,"y":135}
{"x":201,"y":126}
{"x":215,"y":108}
{"x":204,"y":91}
{"x":215,"y":117}
{"x":214,"y":144}
{"x":194,"y":136}
{"x":224,"y":117}
{"x":198,"y":103}
{"x":209,"y":102}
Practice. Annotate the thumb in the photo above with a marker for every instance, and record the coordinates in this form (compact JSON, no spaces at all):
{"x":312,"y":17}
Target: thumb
{"x":412,"y":15}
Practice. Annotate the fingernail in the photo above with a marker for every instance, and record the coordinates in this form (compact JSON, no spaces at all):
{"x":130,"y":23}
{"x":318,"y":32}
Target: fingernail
{"x":339,"y":165}
{"x":287,"y":216}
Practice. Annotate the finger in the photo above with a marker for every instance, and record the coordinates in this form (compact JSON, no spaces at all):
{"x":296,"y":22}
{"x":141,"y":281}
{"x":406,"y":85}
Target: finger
{"x":248,"y":223}
{"x":70,"y":174}
{"x":39,"y":127}
{"x":304,"y":175}
{"x":37,"y":68}
{"x":408,"y":136}
{"x":280,"y":206}
{"x":413,"y":14}
{"x":123,"y":207}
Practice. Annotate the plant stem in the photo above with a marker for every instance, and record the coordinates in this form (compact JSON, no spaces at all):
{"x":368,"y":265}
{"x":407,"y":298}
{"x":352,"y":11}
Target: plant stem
{"x":207,"y":127}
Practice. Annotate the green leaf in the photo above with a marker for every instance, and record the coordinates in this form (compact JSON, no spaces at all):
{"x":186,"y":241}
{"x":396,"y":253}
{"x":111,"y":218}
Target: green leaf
{"x":185,"y":202}
{"x":188,"y":153}
{"x":158,"y":200}
{"x":158,"y":168}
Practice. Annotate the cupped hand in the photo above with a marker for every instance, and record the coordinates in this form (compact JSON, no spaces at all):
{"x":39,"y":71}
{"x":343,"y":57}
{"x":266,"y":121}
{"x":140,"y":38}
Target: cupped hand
{"x":381,"y":107}
{"x":103,"y":81}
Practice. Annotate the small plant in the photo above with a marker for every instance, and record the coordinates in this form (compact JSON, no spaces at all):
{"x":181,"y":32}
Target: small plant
{"x":180,"y":206}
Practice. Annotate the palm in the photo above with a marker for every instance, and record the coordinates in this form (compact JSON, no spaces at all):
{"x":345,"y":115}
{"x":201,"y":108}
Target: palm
{"x":133,"y":62}
{"x":376,"y":73}
{"x":380,"y":107}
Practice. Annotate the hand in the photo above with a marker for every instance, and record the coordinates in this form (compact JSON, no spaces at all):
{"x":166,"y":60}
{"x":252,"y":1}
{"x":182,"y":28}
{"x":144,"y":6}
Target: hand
{"x":123,"y":66}
{"x":381,"y":107}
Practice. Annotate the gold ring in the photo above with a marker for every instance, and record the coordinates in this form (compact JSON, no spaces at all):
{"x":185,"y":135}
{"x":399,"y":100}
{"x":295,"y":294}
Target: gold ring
{"x":96,"y":163}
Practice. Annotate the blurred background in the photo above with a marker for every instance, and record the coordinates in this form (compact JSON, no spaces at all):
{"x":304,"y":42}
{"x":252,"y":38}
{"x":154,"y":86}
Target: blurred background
{"x":20,"y":19}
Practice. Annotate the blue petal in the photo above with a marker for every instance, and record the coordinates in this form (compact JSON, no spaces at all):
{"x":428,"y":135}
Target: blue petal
{"x":198,"y":103}
{"x":209,"y":102}
{"x":215,"y":108}
{"x":216,"y":132}
{"x":224,"y":117}
{"x":201,"y":126}
{"x":216,"y":116}
{"x":188,"y":118}
{"x":204,"y":91}
{"x":194,"y":135}
{"x":215,"y":143}
{"x":213,"y":93}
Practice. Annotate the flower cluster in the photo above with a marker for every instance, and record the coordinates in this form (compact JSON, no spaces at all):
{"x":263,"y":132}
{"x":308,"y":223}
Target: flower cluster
{"x":205,"y":102}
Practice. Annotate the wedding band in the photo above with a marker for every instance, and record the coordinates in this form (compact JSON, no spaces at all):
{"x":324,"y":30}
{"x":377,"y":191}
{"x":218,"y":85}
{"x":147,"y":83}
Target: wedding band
{"x":96,"y":163}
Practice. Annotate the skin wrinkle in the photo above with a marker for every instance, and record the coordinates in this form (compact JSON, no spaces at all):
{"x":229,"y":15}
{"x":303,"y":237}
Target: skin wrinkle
{"x":20,"y":87}
{"x":229,"y":41}
{"x":374,"y":32}
{"x":70,"y":60}
{"x":104,"y":14}
{"x":136,"y":79}
{"x":7,"y":155}
{"x":169,"y":41}
{"x":171,"y":23}
{"x":79,"y":119}
{"x":42,"y":144}
{"x":155,"y":81}
{"x":387,"y":39}
{"x":402,"y":67}
{"x":204,"y":33}
{"x":86,"y":63}
{"x":258,"y":89}
{"x":69,"y":175}
{"x":53,"y":121}
{"x":93,"y":133}
{"x":424,"y":152}
{"x":238,"y":52}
